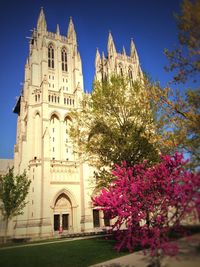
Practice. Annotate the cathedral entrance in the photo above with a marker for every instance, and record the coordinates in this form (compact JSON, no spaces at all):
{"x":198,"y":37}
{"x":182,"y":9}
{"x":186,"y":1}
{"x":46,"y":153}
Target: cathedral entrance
{"x":62,"y":214}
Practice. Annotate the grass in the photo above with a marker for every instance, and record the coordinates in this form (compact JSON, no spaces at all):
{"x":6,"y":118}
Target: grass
{"x":79,"y":253}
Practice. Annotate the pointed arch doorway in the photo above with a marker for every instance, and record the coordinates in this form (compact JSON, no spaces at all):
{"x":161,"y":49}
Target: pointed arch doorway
{"x":63,"y":215}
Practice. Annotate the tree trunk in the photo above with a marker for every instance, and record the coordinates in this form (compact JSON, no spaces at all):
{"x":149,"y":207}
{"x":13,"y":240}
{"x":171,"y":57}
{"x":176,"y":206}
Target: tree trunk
{"x":148,"y":220}
{"x":155,"y":262}
{"x":6,"y":231}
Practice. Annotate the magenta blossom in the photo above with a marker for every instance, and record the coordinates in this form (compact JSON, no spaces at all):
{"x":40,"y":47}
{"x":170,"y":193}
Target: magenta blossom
{"x":145,"y":202}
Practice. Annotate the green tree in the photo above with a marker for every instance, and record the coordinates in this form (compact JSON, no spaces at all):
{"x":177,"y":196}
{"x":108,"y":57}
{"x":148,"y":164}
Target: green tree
{"x":13,"y":192}
{"x":115,"y":124}
{"x":185,"y":59}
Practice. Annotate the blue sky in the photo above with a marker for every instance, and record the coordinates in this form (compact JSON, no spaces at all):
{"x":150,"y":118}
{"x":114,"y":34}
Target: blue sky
{"x":150,"y":23}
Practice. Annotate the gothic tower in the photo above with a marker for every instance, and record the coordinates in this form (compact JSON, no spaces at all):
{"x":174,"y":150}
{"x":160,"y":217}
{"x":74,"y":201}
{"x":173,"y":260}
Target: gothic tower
{"x":117,"y":63}
{"x":59,"y":197}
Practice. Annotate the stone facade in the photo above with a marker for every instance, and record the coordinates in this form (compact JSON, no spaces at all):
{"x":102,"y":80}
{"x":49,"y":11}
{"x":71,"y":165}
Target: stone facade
{"x":59,"y":198}
{"x":5,"y":164}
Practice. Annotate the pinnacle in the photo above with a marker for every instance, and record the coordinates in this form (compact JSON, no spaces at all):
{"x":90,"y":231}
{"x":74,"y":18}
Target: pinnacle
{"x":70,"y":19}
{"x":71,"y":32}
{"x":109,"y":34}
{"x":41,"y":23}
{"x":58,"y":29}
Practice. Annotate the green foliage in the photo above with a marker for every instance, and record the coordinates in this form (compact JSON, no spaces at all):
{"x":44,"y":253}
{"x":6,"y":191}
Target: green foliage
{"x":182,"y":113}
{"x":185,"y":59}
{"x":13,"y":191}
{"x":115,"y":124}
{"x":178,"y":122}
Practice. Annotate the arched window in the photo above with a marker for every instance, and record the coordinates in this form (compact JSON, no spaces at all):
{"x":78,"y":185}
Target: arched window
{"x":64,"y":59}
{"x":104,"y":76}
{"x":130,"y":76}
{"x":51,"y":56}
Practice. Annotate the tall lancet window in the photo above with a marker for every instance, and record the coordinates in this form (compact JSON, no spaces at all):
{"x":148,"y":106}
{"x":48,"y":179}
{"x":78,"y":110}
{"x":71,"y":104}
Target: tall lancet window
{"x":55,"y":137}
{"x":68,"y":145}
{"x":130,"y":76}
{"x":120,"y":70}
{"x":64,"y":59}
{"x":51,"y":56}
{"x":37,"y":136}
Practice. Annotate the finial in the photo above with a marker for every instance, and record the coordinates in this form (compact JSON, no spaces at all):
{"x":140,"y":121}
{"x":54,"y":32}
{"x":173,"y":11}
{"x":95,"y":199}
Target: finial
{"x":109,"y":34}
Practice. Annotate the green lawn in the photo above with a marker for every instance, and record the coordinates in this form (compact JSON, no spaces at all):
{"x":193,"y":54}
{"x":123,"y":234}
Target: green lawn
{"x":73,"y":254}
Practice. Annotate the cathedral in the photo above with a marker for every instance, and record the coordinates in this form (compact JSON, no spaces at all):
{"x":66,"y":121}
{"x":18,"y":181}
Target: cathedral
{"x":59,"y":199}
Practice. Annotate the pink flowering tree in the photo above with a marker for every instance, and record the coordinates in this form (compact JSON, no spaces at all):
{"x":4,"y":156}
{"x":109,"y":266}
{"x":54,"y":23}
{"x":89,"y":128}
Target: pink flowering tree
{"x":146,"y":202}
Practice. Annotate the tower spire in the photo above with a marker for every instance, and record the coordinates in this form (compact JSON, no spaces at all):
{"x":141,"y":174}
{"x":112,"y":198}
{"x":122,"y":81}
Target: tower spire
{"x":123,"y":51}
{"x":133,"y":52}
{"x":97,"y":58}
{"x":41,"y":23}
{"x":71,"y":34}
{"x":57,"y":29}
{"x":111,"y":46}
{"x":132,"y":48}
